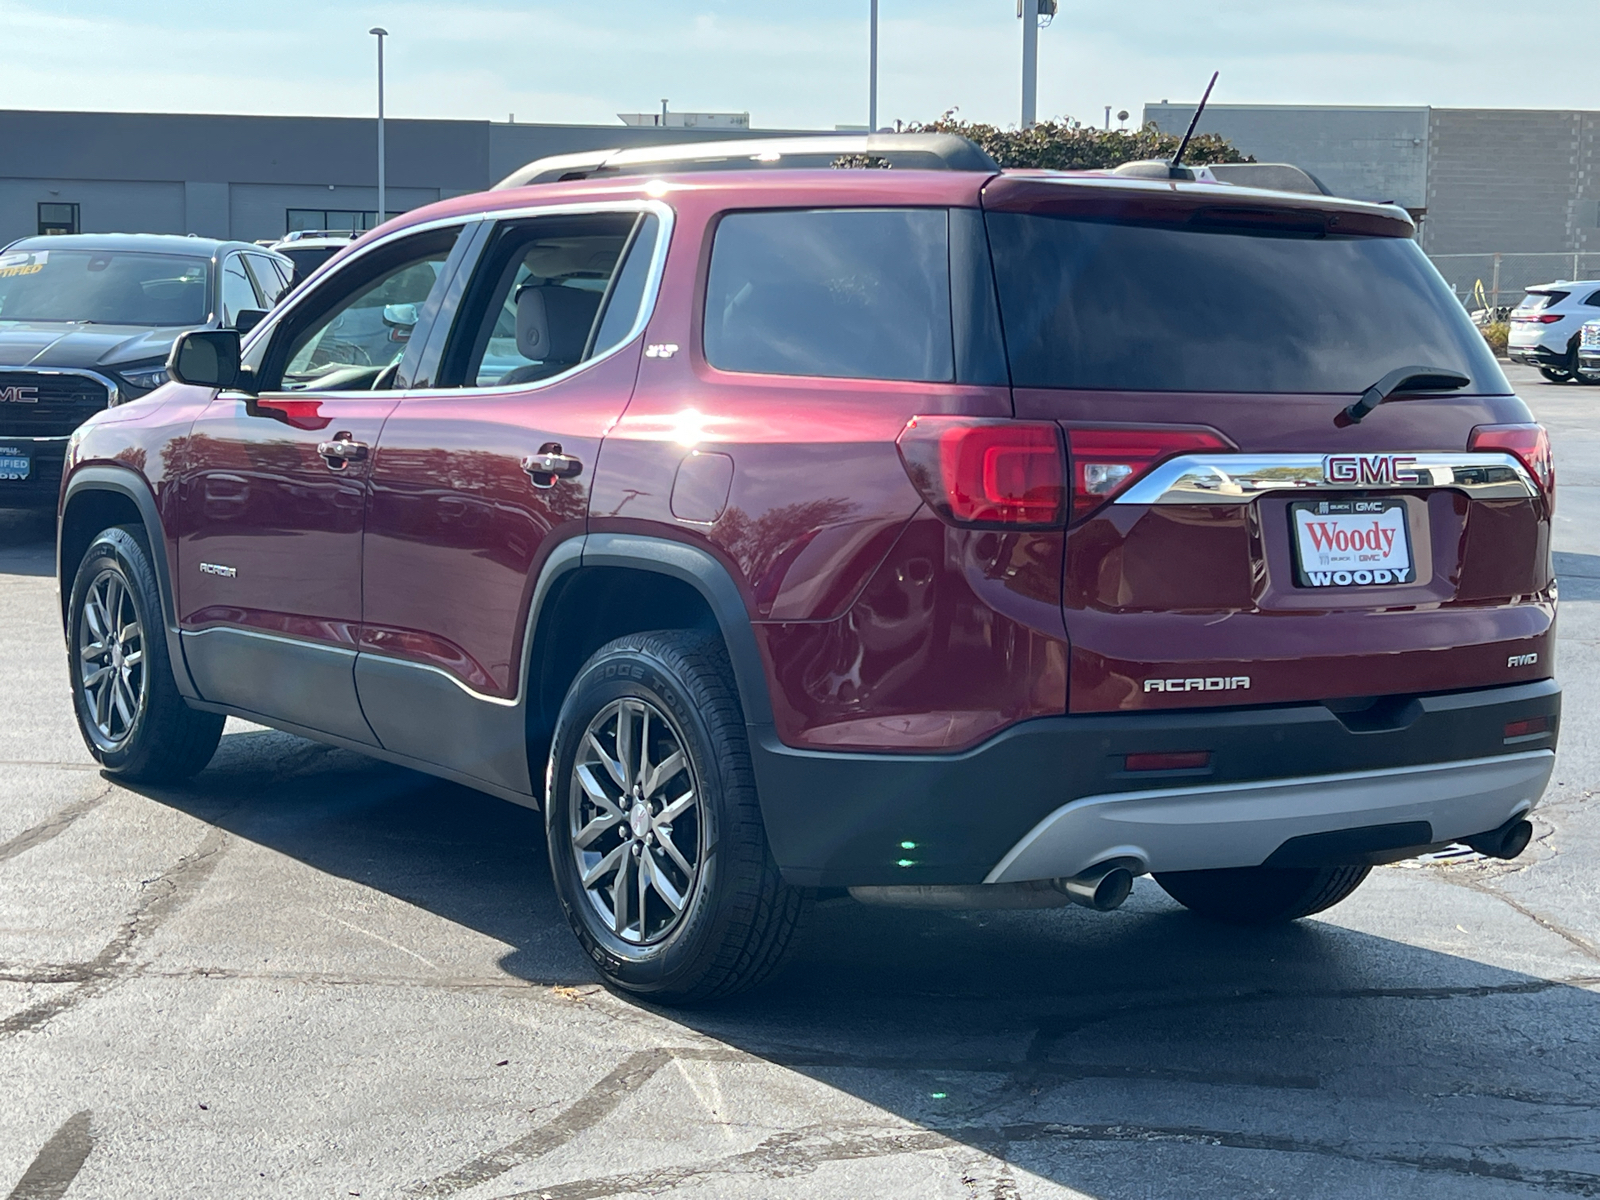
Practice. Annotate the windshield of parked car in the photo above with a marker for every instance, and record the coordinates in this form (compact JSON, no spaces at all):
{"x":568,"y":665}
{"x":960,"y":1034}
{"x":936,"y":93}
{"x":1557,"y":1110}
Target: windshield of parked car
{"x":104,"y":287}
{"x":1106,"y":306}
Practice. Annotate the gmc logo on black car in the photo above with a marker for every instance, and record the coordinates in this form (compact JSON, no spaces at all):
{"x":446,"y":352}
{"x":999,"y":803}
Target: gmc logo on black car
{"x":19,"y":395}
{"x":1377,"y":469}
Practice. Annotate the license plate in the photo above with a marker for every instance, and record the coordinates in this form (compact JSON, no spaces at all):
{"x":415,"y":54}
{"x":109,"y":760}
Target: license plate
{"x":15,"y":469}
{"x":1351,"y":543}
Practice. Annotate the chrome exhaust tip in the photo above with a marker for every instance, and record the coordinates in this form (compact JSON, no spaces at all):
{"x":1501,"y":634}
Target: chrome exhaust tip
{"x":1101,"y":888}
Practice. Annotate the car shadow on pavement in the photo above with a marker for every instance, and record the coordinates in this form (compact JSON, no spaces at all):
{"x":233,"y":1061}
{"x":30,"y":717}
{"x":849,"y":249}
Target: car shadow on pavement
{"x":1058,"y":1043}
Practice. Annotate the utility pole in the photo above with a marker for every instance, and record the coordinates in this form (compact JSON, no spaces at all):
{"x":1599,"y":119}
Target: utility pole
{"x":1028,"y":10}
{"x":380,"y":33}
{"x":872,"y":75}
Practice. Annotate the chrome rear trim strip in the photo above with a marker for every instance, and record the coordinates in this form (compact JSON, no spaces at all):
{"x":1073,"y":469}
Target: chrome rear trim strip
{"x":1239,"y":478}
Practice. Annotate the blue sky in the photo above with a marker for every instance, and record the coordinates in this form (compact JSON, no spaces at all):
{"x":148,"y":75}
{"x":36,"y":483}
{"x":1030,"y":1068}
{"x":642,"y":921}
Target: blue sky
{"x":797,"y":65}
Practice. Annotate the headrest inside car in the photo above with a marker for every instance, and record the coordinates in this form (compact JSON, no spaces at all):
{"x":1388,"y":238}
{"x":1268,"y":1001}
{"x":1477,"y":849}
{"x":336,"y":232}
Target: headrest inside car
{"x":553,"y":322}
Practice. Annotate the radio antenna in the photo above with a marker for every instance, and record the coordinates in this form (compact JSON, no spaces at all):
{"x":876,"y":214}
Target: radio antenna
{"x":1177,"y":159}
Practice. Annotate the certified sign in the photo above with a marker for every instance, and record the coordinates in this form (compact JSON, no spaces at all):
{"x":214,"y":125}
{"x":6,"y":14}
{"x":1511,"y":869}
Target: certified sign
{"x":1351,"y":543}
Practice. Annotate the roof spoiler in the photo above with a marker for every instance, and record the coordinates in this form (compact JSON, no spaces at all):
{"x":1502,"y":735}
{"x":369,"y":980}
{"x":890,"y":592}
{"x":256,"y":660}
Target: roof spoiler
{"x":914,"y":151}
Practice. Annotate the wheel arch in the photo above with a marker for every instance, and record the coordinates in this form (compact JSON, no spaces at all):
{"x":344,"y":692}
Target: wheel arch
{"x":621,"y":584}
{"x":95,"y":498}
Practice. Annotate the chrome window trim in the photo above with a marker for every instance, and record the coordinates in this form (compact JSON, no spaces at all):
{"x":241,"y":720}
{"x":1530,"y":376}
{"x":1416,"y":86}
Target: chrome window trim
{"x":652,"y":287}
{"x":113,"y":392}
{"x":1239,"y":478}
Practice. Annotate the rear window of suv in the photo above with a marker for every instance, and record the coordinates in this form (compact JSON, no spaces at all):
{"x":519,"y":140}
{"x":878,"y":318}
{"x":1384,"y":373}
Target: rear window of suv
{"x":1539,"y":301}
{"x":1106,"y":306}
{"x":847,"y":293}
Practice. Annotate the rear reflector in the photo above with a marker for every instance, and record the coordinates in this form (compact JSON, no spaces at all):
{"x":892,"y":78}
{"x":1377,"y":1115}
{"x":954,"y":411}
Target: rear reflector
{"x":1528,"y":727}
{"x":1529,"y":443}
{"x":987,"y":473}
{"x":1182,"y":760}
{"x":1107,"y":460}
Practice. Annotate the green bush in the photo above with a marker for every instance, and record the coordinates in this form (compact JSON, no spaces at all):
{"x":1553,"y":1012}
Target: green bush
{"x":1496,"y":333}
{"x":1065,"y":145}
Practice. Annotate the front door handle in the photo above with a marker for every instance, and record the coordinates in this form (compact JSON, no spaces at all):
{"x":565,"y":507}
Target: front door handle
{"x":549,"y":465}
{"x":341,"y":451}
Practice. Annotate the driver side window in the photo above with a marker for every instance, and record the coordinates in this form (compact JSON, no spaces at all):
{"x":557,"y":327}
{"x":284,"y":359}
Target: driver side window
{"x":353,"y":332}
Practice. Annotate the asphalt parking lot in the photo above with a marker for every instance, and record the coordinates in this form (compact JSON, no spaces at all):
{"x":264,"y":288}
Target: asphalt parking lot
{"x":307,"y":973}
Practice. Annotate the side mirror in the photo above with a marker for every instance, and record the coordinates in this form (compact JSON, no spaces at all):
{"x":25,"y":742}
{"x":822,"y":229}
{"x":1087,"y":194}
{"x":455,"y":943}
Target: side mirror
{"x":206,"y":358}
{"x":399,"y":316}
{"x":248,"y":318}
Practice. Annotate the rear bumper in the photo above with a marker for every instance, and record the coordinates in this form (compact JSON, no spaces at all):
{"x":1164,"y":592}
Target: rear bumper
{"x":1540,"y":356}
{"x":42,"y":487}
{"x":1303,"y":821}
{"x":1049,"y":797}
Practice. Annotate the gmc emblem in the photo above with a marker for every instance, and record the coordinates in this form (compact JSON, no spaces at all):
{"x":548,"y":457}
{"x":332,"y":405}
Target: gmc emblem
{"x":19,"y":395}
{"x":1378,"y":469}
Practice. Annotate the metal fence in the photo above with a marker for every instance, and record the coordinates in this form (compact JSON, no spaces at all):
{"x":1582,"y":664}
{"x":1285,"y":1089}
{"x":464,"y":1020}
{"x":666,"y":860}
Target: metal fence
{"x":1504,"y":276}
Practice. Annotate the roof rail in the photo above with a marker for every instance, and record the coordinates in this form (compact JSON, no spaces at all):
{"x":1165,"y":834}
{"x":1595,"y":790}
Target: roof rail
{"x":918,"y":151}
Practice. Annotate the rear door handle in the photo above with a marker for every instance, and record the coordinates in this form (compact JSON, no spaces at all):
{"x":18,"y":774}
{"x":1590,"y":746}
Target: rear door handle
{"x":341,"y":451}
{"x":549,"y":465}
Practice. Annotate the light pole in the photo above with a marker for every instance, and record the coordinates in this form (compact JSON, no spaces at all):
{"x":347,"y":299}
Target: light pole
{"x":379,"y":32}
{"x":872,"y":75}
{"x":1030,"y":11}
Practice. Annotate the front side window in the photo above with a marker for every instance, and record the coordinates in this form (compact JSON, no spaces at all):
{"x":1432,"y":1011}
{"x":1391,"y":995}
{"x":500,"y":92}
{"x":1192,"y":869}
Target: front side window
{"x":238,"y":293}
{"x":1111,"y":306}
{"x":105,"y":287}
{"x":270,"y":281}
{"x":849,"y":293}
{"x":352,"y":331}
{"x":549,"y":294}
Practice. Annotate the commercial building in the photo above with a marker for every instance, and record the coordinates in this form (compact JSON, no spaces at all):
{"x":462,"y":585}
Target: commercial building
{"x":258,"y":177}
{"x":1506,"y":196}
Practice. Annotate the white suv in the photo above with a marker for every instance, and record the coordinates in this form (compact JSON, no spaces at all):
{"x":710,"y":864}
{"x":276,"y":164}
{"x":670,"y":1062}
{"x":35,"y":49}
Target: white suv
{"x":1544,"y":327}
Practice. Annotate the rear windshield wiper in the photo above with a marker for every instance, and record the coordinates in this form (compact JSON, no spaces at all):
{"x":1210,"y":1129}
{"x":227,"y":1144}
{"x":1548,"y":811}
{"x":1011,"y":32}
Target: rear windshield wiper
{"x":1401,"y":379}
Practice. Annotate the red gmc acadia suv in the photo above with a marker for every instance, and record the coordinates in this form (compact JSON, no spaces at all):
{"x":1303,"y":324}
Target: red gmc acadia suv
{"x":956,"y":536}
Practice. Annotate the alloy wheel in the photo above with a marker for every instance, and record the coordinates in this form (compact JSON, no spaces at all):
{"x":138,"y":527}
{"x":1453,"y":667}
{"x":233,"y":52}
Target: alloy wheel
{"x":635,"y":821}
{"x":111,"y":660}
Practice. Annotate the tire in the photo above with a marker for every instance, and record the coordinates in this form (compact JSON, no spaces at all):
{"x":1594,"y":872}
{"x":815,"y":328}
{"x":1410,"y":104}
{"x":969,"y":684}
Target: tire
{"x":124,"y":695}
{"x":1261,"y":895}
{"x":735,"y":918}
{"x":1554,"y":375}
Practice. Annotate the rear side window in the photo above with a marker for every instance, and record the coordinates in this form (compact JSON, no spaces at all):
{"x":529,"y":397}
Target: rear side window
{"x":846,"y":293}
{"x":1120,"y":307}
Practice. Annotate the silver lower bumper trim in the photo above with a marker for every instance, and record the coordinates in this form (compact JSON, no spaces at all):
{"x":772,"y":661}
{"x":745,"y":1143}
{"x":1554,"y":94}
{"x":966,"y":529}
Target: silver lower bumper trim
{"x":1241,"y":824}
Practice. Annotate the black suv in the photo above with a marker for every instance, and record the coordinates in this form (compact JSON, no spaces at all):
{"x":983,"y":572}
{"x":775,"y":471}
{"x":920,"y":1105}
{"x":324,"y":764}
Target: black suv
{"x":87,"y":321}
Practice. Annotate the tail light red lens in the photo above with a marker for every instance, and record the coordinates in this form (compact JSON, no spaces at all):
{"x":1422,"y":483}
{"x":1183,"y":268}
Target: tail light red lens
{"x":1531,"y":445}
{"x":1106,"y":461}
{"x":1182,"y":760}
{"x":987,"y":473}
{"x":1527,"y":728}
{"x":1549,"y":318}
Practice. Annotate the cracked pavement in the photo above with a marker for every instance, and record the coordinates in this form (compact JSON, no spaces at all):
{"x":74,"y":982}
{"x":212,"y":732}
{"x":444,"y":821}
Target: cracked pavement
{"x":306,"y":973}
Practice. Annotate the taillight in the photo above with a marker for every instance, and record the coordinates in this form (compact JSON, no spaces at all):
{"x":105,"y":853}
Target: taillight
{"x":1549,"y":318}
{"x":987,"y":473}
{"x":1531,"y":445}
{"x":1105,"y":461}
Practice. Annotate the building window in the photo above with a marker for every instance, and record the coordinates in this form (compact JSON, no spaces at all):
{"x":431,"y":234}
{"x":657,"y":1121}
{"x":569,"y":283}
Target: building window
{"x":331,"y":218}
{"x":58,"y":218}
